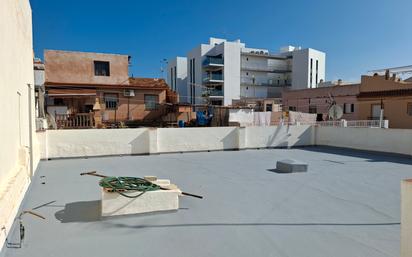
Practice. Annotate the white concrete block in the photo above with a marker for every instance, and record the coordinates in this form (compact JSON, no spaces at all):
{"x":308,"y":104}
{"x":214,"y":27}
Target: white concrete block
{"x":161,"y":200}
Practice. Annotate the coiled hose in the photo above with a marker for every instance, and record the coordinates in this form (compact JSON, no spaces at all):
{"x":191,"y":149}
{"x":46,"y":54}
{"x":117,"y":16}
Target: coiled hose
{"x":121,"y":185}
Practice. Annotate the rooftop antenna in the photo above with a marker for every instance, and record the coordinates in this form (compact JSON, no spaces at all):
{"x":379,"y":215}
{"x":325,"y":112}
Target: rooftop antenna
{"x":335,"y":111}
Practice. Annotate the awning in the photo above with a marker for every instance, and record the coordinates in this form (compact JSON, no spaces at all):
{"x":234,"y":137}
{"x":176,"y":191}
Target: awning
{"x":71,"y":92}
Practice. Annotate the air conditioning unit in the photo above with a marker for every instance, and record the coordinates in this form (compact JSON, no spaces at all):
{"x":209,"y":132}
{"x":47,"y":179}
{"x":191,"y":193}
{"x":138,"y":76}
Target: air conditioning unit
{"x":128,"y":92}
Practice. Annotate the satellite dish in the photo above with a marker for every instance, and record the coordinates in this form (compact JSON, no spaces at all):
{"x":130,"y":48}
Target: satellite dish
{"x":335,"y":112}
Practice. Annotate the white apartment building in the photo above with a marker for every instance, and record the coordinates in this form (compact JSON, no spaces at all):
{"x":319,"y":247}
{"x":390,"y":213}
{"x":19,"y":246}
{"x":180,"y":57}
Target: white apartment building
{"x":222,"y":71}
{"x":177,"y":77}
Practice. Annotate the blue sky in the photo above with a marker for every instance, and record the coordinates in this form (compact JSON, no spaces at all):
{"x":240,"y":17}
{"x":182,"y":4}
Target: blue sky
{"x":357,"y":35}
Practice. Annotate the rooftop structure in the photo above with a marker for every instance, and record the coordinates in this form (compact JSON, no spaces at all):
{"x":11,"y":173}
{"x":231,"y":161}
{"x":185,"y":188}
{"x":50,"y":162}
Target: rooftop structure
{"x":318,"y":100}
{"x":90,"y":86}
{"x":222,"y":71}
{"x":347,"y":204}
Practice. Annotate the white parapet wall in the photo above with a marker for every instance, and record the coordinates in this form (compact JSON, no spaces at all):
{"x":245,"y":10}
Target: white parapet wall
{"x":406,"y":218}
{"x":101,"y":142}
{"x":397,"y":141}
{"x":197,"y":139}
{"x":94,"y":142}
{"x":278,"y":136}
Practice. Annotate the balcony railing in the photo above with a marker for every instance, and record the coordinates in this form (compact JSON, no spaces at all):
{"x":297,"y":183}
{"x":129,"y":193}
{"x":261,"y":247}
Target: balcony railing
{"x":212,"y":93}
{"x":213,"y":77}
{"x":263,"y":68}
{"x":72,"y":121}
{"x":211,"y":61}
{"x":268,"y":83}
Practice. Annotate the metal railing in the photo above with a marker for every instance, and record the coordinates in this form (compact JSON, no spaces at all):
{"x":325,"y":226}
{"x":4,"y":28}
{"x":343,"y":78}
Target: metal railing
{"x":269,"y":82}
{"x":213,"y":76}
{"x":212,"y":92}
{"x":263,"y":68}
{"x":72,"y":121}
{"x":210,"y":60}
{"x":346,"y":123}
{"x":367,"y":124}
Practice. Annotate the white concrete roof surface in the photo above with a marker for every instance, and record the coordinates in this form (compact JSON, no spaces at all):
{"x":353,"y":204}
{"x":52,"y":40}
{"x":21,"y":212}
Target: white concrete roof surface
{"x":347,"y":204}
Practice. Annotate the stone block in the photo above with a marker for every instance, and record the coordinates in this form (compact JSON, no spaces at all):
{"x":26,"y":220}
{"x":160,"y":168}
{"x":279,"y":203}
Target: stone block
{"x":289,"y":166}
{"x":160,"y":200}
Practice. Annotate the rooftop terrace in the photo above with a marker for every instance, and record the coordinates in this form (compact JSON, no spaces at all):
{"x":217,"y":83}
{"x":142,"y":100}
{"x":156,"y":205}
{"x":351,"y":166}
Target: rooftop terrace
{"x":347,"y":204}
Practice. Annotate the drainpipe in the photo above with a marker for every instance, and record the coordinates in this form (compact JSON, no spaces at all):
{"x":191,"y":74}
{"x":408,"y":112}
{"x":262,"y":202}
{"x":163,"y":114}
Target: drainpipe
{"x":30,"y":131}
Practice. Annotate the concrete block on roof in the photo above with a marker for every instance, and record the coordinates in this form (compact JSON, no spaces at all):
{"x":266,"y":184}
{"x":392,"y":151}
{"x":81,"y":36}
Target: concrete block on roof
{"x":290,"y":165}
{"x":114,"y":204}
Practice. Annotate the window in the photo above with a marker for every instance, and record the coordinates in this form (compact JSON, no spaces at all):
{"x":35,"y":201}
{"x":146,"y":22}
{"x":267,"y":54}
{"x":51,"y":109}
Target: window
{"x":269,"y":107}
{"x":317,"y":65}
{"x":409,"y":109}
{"x":313,"y":109}
{"x":101,"y":68}
{"x":151,"y":102}
{"x":292,"y":108}
{"x":111,"y":101}
{"x":175,"y":81}
{"x":171,"y":78}
{"x":191,"y":81}
{"x":311,"y":68}
{"x":58,"y":101}
{"x":348,"y":108}
{"x":375,"y":111}
{"x":194,"y":80}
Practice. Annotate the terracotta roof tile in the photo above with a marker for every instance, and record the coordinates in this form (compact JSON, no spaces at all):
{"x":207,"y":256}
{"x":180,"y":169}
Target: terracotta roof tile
{"x":148,"y":83}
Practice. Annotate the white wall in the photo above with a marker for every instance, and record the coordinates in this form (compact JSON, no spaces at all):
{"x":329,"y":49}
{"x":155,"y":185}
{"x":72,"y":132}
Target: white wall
{"x":101,"y":142}
{"x":231,"y":73}
{"x":301,"y":68}
{"x":406,"y":218}
{"x":197,"y":139}
{"x":16,"y":54}
{"x":372,"y":139}
{"x":278,"y":136}
{"x":180,"y":64}
{"x":95,"y":142}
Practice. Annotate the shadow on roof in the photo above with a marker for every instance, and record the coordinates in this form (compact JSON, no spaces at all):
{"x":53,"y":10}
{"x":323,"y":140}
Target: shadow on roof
{"x":371,"y":156}
{"x":87,"y":211}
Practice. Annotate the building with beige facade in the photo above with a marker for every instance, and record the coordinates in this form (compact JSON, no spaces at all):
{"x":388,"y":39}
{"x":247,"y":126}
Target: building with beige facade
{"x":389,"y":93}
{"x":362,"y":101}
{"x":318,"y":100}
{"x":85,"y":84}
{"x":18,"y":149}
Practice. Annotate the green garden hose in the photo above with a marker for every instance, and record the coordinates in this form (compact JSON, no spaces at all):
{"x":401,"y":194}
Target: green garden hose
{"x":121,"y":185}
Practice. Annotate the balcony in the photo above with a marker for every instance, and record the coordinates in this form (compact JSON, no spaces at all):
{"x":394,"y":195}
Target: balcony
{"x":261,"y":68}
{"x":213,"y":61}
{"x":213,"y":78}
{"x":247,"y":81}
{"x":213,"y":93}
